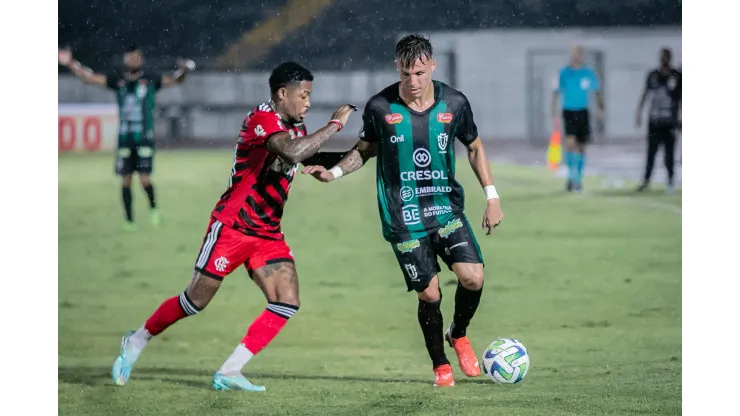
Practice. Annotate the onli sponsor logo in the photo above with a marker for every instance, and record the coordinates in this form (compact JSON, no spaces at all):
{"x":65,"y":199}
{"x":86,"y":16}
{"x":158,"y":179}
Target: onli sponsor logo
{"x":444,"y":117}
{"x":408,"y":246}
{"x":450,"y":228}
{"x":394,"y":118}
{"x":411,"y":214}
{"x":397,"y":139}
{"x":437,"y":210}
{"x":420,"y":175}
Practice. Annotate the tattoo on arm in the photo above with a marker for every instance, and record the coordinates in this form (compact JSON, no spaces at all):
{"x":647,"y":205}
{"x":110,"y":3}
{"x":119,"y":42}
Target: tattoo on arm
{"x":296,"y":150}
{"x":356,"y":158}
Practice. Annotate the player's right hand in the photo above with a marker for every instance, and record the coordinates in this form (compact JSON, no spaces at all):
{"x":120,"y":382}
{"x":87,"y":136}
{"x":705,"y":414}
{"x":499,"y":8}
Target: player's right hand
{"x":343,"y":112}
{"x":65,"y":56}
{"x":319,"y":172}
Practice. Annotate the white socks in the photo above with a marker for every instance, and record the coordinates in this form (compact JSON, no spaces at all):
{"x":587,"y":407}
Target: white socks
{"x":237,"y":360}
{"x":138,"y":341}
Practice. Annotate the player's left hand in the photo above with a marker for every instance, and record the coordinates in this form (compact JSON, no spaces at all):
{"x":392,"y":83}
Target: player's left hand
{"x":493,"y":215}
{"x":318,"y":172}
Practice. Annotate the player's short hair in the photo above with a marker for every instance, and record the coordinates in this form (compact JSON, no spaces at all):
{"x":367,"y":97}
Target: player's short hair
{"x":288,"y":73}
{"x":133,"y":48}
{"x":666,"y":51}
{"x":413,"y":47}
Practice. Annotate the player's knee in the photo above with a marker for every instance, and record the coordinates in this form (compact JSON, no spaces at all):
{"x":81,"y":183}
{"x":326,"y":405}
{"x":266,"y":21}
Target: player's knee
{"x":472,"y":279}
{"x":126,"y":180}
{"x":287,"y":295}
{"x":430,"y":294}
{"x":145,"y":180}
{"x":201,"y":290}
{"x":570,"y":143}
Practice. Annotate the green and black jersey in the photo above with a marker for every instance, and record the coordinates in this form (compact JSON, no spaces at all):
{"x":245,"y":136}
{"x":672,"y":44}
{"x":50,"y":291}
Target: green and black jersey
{"x":136,"y":102}
{"x":417,"y":190}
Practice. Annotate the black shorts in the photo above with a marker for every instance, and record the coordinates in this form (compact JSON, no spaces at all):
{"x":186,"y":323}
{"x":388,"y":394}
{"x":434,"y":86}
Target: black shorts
{"x":454,"y":243}
{"x":661,"y":132}
{"x":135,"y":158}
{"x":577,"y":124}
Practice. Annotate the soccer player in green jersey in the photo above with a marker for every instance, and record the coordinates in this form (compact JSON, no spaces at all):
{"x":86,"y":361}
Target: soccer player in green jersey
{"x":411,"y":127}
{"x":136,"y":91}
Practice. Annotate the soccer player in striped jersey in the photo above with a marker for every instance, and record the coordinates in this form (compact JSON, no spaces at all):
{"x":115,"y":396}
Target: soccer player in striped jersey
{"x":411,"y":127}
{"x":136,"y":91}
{"x":244,"y":227}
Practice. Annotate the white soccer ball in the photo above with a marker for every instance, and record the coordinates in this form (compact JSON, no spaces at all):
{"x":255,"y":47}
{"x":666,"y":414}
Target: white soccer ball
{"x":505,"y":361}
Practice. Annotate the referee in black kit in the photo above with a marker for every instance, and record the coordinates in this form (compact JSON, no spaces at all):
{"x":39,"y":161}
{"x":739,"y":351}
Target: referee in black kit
{"x":664,"y":85}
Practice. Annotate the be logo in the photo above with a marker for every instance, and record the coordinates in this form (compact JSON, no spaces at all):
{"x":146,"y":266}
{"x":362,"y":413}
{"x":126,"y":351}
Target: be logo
{"x":422,"y":158}
{"x":411,"y":214}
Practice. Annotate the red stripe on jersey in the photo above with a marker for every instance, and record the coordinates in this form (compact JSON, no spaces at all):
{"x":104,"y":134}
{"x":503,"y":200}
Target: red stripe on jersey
{"x":260,"y":180}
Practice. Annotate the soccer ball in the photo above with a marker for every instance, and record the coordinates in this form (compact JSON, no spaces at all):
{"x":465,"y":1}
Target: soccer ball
{"x":505,"y":361}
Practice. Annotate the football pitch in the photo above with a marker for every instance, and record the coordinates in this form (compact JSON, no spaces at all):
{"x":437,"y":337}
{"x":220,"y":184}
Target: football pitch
{"x":590,"y":284}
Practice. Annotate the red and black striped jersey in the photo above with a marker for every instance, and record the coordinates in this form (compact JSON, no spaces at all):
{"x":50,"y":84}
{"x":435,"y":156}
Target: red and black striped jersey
{"x":260,"y":180}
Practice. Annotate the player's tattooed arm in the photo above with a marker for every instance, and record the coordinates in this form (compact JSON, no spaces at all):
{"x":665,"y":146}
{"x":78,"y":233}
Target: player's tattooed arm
{"x":296,"y":150}
{"x":356,"y":158}
{"x":184,"y":66}
{"x":352,"y":161}
{"x":82,"y":72}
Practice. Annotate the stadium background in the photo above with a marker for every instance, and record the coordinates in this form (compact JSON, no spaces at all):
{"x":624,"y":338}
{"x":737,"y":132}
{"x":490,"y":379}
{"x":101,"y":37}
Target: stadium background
{"x":620,"y":296}
{"x":503,"y":55}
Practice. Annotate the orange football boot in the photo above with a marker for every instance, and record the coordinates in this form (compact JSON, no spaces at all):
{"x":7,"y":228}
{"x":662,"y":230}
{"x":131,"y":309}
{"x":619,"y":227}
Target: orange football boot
{"x":443,"y":376}
{"x":465,"y":354}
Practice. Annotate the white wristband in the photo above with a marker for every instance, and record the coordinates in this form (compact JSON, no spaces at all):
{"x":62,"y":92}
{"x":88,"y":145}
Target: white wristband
{"x":337,"y":172}
{"x":490,"y":192}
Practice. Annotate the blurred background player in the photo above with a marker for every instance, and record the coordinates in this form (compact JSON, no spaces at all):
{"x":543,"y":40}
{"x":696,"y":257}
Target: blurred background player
{"x":575,"y":83}
{"x":245,"y":227}
{"x":136,"y":91}
{"x":665,"y":87}
{"x":412,"y":126}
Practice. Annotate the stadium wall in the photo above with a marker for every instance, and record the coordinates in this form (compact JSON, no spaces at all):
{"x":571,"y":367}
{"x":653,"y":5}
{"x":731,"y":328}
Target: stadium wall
{"x":506,"y":74}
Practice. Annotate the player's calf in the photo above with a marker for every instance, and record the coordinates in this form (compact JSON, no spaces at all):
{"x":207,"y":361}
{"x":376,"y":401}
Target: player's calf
{"x":431,"y":322}
{"x":279,"y":283}
{"x":467,"y":299}
{"x":190,"y":302}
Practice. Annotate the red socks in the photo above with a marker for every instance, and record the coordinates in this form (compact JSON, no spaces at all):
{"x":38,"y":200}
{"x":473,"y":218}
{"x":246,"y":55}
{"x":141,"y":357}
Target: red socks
{"x":266,"y":327}
{"x":262,"y":331}
{"x":169,"y":312}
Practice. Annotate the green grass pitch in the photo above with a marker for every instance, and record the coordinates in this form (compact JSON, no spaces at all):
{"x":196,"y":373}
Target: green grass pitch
{"x":591,"y":284}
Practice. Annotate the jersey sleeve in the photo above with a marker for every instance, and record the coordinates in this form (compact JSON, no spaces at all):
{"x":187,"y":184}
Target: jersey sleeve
{"x":369,"y":132}
{"x":561,"y":81}
{"x":467,"y":131}
{"x":261,"y":126}
{"x":648,"y":81}
{"x":111,"y":80}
